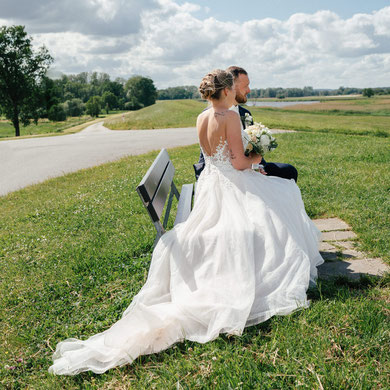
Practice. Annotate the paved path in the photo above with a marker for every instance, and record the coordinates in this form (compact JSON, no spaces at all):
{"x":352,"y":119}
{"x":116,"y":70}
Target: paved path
{"x":33,"y":160}
{"x":338,"y":250}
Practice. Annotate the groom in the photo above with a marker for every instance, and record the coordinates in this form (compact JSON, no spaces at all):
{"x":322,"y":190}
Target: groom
{"x":241,"y":86}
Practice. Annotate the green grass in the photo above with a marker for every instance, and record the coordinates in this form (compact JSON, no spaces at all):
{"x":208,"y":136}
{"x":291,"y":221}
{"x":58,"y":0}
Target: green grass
{"x":46,"y":127}
{"x":353,"y":116}
{"x":320,"y":98}
{"x":163,"y":114}
{"x":324,"y":122}
{"x":76,"y":249}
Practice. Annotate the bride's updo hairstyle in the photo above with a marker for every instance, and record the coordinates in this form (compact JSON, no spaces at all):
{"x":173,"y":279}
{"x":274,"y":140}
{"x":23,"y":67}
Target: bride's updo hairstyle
{"x":214,"y":82}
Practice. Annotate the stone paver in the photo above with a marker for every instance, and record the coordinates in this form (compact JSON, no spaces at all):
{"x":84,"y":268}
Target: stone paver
{"x":352,"y":254}
{"x":331,"y":224}
{"x":345,"y":244}
{"x":352,"y":268}
{"x":338,"y":235}
{"x":340,"y":255}
{"x":330,"y":255}
{"x":325,"y":246}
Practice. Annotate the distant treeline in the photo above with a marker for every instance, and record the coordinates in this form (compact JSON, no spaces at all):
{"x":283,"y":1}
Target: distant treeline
{"x":191,"y":92}
{"x":282,"y":93}
{"x":184,"y":92}
{"x":74,"y":95}
{"x":89,"y":93}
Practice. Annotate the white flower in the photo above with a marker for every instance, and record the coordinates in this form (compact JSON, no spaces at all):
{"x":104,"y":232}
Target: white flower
{"x":265,"y":140}
{"x":260,"y":138}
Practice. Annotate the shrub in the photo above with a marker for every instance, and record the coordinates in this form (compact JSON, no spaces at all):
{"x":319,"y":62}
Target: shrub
{"x":57,"y":113}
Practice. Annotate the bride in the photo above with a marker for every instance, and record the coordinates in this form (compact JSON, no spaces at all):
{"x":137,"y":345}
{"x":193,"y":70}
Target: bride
{"x":247,"y":252}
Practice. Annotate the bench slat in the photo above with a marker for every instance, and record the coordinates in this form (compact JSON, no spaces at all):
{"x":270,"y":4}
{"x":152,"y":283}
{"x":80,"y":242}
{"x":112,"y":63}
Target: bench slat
{"x":185,"y":203}
{"x":156,"y":206}
{"x":150,"y":182}
{"x":154,"y":189}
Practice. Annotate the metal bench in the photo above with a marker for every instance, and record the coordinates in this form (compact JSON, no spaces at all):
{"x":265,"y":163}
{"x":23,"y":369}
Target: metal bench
{"x":154,"y":189}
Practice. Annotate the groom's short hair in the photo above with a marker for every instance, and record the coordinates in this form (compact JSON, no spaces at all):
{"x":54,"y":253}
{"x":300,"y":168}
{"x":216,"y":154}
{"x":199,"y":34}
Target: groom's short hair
{"x":236,"y":71}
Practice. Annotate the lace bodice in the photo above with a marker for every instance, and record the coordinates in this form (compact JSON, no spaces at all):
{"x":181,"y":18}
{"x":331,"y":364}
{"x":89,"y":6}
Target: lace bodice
{"x":220,"y":159}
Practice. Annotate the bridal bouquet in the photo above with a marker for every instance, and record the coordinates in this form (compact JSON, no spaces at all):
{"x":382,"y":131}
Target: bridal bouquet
{"x":260,"y":139}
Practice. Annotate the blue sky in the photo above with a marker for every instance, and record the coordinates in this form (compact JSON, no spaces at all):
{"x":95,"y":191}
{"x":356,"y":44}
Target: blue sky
{"x":281,"y":43}
{"x":282,"y":9}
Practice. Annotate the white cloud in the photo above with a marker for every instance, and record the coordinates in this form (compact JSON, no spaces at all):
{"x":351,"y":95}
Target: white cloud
{"x":165,"y":41}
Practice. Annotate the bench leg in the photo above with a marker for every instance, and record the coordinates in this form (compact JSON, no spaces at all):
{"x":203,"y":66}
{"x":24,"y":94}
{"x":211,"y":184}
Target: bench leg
{"x":160,"y":231}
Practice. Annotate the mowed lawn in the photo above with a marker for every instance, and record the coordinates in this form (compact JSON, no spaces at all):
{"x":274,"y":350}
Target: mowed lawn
{"x":46,"y":127}
{"x":324,"y":122}
{"x":344,"y":116}
{"x":163,"y":114}
{"x":76,"y":249}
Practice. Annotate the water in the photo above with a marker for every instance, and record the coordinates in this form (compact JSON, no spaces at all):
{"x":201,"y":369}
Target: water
{"x":279,"y":104}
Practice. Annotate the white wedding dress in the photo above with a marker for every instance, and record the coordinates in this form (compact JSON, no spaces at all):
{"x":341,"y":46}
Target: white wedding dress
{"x":247,"y":252}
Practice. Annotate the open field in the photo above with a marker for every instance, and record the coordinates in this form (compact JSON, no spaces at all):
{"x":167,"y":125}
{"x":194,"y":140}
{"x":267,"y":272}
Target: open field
{"x":46,"y":127}
{"x":346,"y":115}
{"x":303,"y":98}
{"x":76,"y":249}
{"x":163,"y":114}
{"x":372,"y":106}
{"x":354,"y":116}
{"x":323,"y":122}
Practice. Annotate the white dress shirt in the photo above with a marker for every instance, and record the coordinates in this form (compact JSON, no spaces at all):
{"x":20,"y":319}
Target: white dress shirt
{"x":235,"y":109}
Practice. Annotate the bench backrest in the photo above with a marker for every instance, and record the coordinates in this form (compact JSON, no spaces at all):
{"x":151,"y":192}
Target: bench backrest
{"x":156,"y":185}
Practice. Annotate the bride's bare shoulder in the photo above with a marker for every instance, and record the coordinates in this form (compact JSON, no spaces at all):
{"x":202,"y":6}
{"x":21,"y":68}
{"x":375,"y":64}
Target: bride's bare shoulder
{"x":205,"y":117}
{"x":204,"y":114}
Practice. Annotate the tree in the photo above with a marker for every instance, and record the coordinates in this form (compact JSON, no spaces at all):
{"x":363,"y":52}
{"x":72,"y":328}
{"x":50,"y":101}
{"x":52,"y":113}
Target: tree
{"x":94,"y":105}
{"x":74,"y":107}
{"x":21,"y":73}
{"x":110,"y":101}
{"x":50,"y":95}
{"x":368,"y":92}
{"x":57,"y":113}
{"x":140,"y":91}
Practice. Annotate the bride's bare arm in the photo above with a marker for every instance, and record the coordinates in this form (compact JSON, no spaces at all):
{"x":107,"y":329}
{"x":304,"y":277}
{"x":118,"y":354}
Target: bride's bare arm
{"x":236,"y":147}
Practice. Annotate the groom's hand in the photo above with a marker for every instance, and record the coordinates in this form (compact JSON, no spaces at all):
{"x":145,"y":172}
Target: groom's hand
{"x":259,"y":168}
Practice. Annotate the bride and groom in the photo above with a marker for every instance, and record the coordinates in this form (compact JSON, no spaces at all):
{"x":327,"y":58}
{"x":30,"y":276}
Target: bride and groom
{"x":241,"y":87}
{"x":247,"y":252}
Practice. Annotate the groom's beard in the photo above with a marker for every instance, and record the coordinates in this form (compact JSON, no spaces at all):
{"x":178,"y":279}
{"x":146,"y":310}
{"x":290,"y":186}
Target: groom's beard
{"x":240,"y":99}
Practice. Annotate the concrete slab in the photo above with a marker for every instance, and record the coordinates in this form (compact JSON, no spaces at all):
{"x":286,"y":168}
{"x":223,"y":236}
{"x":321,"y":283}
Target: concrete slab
{"x":326,"y":246}
{"x":329,"y":256}
{"x":338,"y":235}
{"x":352,"y":254}
{"x":329,"y":224}
{"x":352,"y":268}
{"x":341,"y":257}
{"x":345,"y":244}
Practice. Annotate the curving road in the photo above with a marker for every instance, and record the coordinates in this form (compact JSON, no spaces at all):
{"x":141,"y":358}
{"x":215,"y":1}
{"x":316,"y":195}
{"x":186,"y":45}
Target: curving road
{"x":32,"y":160}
